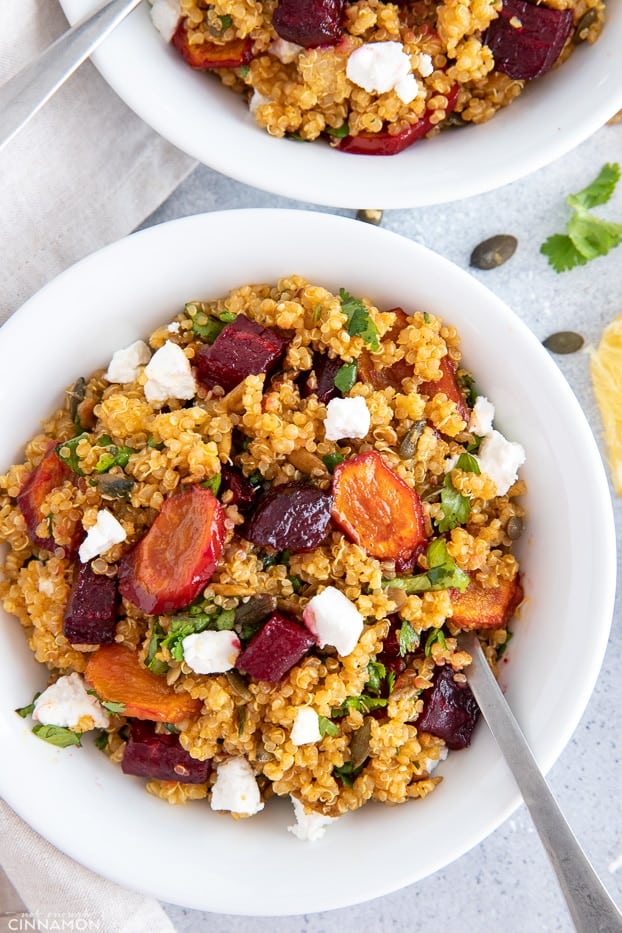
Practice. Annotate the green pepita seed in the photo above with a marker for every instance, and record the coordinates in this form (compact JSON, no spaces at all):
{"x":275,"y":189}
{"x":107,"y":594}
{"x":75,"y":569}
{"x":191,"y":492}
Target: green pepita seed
{"x":583,"y":26}
{"x":112,"y":486}
{"x":493,"y":252}
{"x":514,"y":527}
{"x":564,"y":341}
{"x":238,"y":684}
{"x":411,"y":439}
{"x":256,"y":609}
{"x":370,"y":217}
{"x":76,"y":396}
{"x":359,"y":744}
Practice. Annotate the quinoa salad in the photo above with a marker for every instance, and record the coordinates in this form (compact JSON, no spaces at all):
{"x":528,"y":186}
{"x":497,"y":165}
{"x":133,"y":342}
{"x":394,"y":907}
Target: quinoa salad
{"x":246,"y":548}
{"x":372,"y":77}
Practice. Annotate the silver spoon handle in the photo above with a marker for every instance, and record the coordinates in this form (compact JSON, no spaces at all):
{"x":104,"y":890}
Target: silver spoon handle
{"x":27,"y":91}
{"x":591,"y":907}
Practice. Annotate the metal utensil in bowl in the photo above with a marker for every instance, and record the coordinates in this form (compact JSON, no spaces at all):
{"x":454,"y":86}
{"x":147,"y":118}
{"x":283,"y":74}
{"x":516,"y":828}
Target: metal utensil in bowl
{"x":590,"y":906}
{"x":27,"y":91}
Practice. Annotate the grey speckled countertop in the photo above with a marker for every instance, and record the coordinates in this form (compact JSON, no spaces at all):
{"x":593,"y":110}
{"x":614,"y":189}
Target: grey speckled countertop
{"x":505,"y":883}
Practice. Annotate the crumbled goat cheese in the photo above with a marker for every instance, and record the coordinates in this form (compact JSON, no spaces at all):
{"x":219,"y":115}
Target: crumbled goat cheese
{"x":173,"y":327}
{"x":257,"y":100}
{"x":500,"y":459}
{"x":346,"y":417}
{"x":235,"y":788}
{"x":165,"y":15}
{"x":211,"y":652}
{"x":169,"y":375}
{"x":383,"y":66}
{"x":66,"y":703}
{"x":425,"y":66}
{"x":105,"y":532}
{"x":306,"y":728}
{"x":46,"y":586}
{"x":125,"y":364}
{"x":482,"y":416}
{"x":285,"y":51}
{"x":431,"y":763}
{"x":334,"y":620}
{"x":309,"y":826}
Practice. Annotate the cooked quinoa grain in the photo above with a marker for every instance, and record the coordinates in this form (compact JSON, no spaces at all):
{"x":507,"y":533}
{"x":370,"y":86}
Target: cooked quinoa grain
{"x":239,"y":489}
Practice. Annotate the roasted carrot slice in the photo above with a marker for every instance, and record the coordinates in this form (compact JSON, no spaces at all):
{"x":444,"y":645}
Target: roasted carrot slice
{"x":48,"y":475}
{"x":449,"y":385}
{"x":486,"y":607}
{"x":210,"y":55}
{"x":169,"y":567}
{"x":117,"y":676}
{"x":376,"y":508}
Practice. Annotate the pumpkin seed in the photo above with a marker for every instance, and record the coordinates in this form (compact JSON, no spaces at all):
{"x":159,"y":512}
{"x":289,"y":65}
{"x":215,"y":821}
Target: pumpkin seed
{"x":564,"y":341}
{"x":411,"y":439}
{"x":514,"y":527}
{"x":493,"y":252}
{"x":370,"y":217}
{"x":76,"y":396}
{"x":112,"y":486}
{"x":583,"y":26}
{"x":256,"y":609}
{"x":455,"y":119}
{"x":238,"y":684}
{"x":359,"y":744}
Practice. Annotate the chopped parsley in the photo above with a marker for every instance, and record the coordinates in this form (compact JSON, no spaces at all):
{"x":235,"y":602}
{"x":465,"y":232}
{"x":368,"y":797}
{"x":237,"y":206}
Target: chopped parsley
{"x":347,"y":773}
{"x":339,"y":132}
{"x":327,"y":727}
{"x":180,"y":627}
{"x":587,"y":236}
{"x":436,"y":636}
{"x":444,"y":573}
{"x":346,"y":377}
{"x":363,"y":703}
{"x":57,"y":735}
{"x":408,"y":639}
{"x":213,"y":483}
{"x":67,"y":452}
{"x":24,"y":711}
{"x":379,"y":680}
{"x":359,"y":323}
{"x":332,"y":460}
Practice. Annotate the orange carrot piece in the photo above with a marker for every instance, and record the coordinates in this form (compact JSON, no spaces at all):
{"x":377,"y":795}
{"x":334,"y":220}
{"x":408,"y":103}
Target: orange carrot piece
{"x":486,"y":607}
{"x":449,"y":385}
{"x":208,"y":55}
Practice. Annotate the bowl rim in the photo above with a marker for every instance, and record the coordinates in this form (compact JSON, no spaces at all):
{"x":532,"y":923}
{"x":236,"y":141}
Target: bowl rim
{"x":137,"y":252}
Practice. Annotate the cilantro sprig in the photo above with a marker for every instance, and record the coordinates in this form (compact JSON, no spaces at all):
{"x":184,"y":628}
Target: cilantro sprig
{"x":443,"y":573}
{"x":587,"y":236}
{"x":359,"y":320}
{"x":456,"y":507}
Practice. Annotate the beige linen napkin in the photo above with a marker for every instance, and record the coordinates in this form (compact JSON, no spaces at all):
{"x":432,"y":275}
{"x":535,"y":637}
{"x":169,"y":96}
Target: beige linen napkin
{"x":84,"y":172}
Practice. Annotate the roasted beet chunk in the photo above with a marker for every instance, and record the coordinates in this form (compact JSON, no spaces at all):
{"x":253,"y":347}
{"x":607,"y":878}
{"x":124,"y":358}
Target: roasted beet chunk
{"x":91,"y":613}
{"x":526,"y":40}
{"x":242,"y":348}
{"x":309,"y":22}
{"x":160,"y":757}
{"x":276,"y":647}
{"x":450,"y":710}
{"x":321,"y":379}
{"x":242,"y":491}
{"x":293,"y":515}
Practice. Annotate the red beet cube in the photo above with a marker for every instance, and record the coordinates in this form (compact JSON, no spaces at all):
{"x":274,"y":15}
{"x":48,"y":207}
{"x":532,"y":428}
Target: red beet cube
{"x":91,"y":614}
{"x":321,"y":379}
{"x":309,"y":22}
{"x":293,"y":516}
{"x":526,"y":40}
{"x":242,"y":348}
{"x":276,"y":647}
{"x":160,"y":757}
{"x":450,"y":710}
{"x":243,"y":493}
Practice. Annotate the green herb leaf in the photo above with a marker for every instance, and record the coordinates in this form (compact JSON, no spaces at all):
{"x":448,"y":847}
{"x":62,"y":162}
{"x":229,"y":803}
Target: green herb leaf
{"x":227,"y":317}
{"x":24,"y":711}
{"x":101,"y":740}
{"x":562,"y":253}
{"x":114,"y":456}
{"x":346,"y":377}
{"x":408,"y":639}
{"x":347,"y":773}
{"x":112,"y":707}
{"x":502,"y":648}
{"x":592,"y":236}
{"x":359,"y":320}
{"x":213,"y":483}
{"x":444,"y":574}
{"x":598,"y":191}
{"x":456,"y":507}
{"x":66,"y":451}
{"x":57,"y":735}
{"x":376,"y":673}
{"x":339,"y":132}
{"x":155,"y":664}
{"x":468,"y":464}
{"x":436,"y":636}
{"x":363,"y":703}
{"x":332,"y":460}
{"x":327,"y":727}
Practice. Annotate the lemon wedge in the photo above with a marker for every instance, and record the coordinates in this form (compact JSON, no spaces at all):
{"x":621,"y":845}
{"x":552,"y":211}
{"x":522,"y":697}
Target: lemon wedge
{"x":606,"y":372}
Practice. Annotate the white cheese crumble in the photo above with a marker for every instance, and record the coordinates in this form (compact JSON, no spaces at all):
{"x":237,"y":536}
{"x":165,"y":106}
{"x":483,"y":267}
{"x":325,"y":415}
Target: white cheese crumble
{"x":482,"y":416}
{"x":165,"y":15}
{"x":306,"y":728}
{"x":66,"y":702}
{"x":125,"y":364}
{"x":285,"y":51}
{"x":334,"y":620}
{"x":309,"y":826}
{"x":211,"y":652}
{"x":346,"y":417}
{"x":105,"y":532}
{"x":46,"y":586}
{"x":425,"y":66}
{"x":169,"y":375}
{"x":500,"y":459}
{"x":235,"y":788}
{"x":174,"y":327}
{"x":383,"y":66}
{"x":431,"y":763}
{"x":257,"y":100}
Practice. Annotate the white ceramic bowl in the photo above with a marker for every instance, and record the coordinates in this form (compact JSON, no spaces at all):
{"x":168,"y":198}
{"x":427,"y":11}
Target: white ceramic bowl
{"x":189,"y":855}
{"x":213,"y":124}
